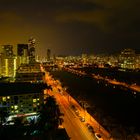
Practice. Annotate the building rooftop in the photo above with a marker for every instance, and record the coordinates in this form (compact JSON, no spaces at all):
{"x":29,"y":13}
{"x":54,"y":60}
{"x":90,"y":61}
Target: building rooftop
{"x":21,"y":88}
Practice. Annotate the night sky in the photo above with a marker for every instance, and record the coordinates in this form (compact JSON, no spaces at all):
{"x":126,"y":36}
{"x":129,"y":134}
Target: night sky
{"x":72,"y":27}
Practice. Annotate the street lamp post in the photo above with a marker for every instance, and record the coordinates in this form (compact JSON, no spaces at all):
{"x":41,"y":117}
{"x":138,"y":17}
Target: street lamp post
{"x":68,"y":94}
{"x":68,"y":98}
{"x":83,"y":104}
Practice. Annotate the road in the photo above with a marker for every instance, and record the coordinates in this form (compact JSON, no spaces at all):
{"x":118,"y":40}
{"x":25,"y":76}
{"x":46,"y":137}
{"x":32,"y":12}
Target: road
{"x":76,"y":129}
{"x":73,"y":125}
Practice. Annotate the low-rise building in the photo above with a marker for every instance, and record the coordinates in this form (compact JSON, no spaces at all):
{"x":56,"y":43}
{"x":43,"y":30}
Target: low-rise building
{"x":29,"y":73}
{"x":21,"y":98}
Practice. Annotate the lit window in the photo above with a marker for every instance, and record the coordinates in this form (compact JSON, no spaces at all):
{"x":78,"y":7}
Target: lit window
{"x":8,"y":97}
{"x":12,"y":107}
{"x":15,"y":107}
{"x":38,"y":99}
{"x":16,"y":111}
{"x":34,"y":100}
{"x":3,"y":98}
{"x":37,"y":103}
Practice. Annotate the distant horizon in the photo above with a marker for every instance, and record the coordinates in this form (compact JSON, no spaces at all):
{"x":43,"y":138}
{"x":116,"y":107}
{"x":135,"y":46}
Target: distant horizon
{"x":137,"y":51}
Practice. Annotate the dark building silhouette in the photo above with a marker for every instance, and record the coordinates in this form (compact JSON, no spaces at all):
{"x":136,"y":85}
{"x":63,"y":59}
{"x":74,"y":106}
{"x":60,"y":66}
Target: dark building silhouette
{"x":22,"y":49}
{"x":48,"y":54}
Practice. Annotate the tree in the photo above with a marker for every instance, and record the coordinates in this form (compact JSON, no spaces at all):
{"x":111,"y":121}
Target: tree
{"x":18,"y":121}
{"x":49,"y":116}
{"x":3,"y":115}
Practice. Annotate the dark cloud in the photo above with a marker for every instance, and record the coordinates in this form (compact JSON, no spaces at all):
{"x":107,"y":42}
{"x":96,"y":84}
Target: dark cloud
{"x":107,"y":14}
{"x":72,"y":26}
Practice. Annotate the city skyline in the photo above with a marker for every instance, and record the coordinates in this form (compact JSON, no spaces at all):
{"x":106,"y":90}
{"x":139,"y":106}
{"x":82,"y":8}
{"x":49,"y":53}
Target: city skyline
{"x":71,"y":27}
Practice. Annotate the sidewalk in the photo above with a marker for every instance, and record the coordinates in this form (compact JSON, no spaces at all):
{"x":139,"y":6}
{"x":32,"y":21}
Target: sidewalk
{"x":89,"y":119}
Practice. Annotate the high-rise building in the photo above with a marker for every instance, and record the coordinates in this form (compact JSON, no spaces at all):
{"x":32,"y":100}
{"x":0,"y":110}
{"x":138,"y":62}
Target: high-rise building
{"x":22,"y":53}
{"x":48,"y":54}
{"x":127,"y":59}
{"x":31,"y":51}
{"x":7,"y":50}
{"x":9,"y":67}
{"x":137,"y":64}
{"x":8,"y":61}
{"x":1,"y":63}
{"x":22,"y":49}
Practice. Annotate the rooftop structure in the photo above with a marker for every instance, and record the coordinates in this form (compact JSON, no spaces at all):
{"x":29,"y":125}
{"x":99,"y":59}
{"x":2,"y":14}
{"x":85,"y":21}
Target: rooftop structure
{"x":29,"y":73}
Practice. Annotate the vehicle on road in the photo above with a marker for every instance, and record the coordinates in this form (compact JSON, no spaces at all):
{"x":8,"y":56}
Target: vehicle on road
{"x":98,"y":136}
{"x":90,"y":128}
{"x":73,"y":107}
{"x":82,"y":119}
{"x":77,"y":113}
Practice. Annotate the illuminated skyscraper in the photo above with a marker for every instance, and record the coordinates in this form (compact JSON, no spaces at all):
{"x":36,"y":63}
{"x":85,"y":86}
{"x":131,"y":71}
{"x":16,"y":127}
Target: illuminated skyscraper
{"x":7,"y":51}
{"x":31,"y":51}
{"x":1,"y":63}
{"x":8,"y":61}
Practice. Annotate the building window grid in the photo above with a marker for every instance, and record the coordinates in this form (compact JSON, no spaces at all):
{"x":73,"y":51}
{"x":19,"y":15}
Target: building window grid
{"x":23,"y":104}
